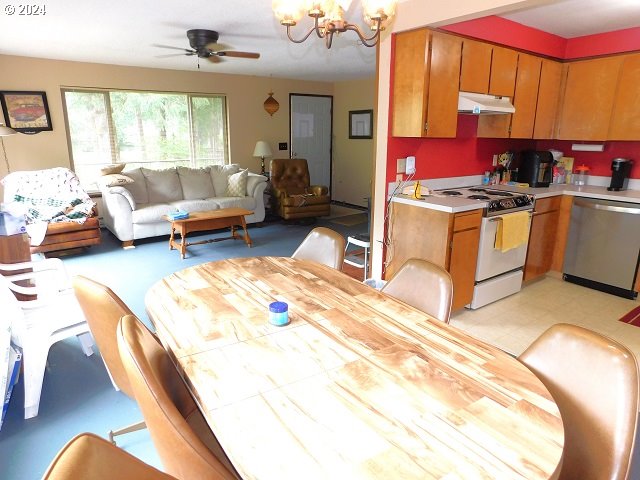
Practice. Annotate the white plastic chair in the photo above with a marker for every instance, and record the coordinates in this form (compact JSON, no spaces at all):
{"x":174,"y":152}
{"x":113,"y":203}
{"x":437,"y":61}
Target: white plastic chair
{"x":37,"y":324}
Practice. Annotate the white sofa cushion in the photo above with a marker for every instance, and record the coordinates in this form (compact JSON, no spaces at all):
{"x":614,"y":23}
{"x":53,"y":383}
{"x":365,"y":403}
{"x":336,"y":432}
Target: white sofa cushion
{"x":220,"y":175}
{"x":236,"y":202}
{"x":198,"y":205}
{"x":151,"y":213}
{"x":163,"y":185}
{"x":196,"y":183}
{"x":138,"y":188}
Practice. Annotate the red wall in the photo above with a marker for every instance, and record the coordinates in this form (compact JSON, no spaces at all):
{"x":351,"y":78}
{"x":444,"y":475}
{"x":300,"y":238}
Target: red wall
{"x":468,"y":155}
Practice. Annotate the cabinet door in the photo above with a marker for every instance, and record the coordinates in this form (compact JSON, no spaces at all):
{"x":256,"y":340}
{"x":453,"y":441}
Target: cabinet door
{"x":625,"y":124}
{"x":588,"y":99}
{"x":548,"y":99}
{"x":444,"y":80}
{"x":542,"y":237}
{"x":476,"y":66}
{"x":410,"y":83}
{"x":504,"y":63}
{"x":462,"y":266}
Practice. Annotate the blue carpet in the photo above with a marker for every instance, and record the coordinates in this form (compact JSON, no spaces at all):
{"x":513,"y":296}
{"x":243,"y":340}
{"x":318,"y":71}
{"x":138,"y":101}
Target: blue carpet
{"x":77,"y":395}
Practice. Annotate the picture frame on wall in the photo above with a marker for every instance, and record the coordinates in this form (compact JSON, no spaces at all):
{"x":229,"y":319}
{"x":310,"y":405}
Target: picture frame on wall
{"x":361,"y":124}
{"x":26,"y":112}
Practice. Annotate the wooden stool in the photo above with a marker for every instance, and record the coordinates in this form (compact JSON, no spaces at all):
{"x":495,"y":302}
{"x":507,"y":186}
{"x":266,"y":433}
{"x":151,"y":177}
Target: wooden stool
{"x":361,"y":240}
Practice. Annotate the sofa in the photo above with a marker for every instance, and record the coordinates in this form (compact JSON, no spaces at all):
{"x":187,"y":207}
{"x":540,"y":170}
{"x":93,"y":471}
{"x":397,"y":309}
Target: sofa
{"x":134,"y":200}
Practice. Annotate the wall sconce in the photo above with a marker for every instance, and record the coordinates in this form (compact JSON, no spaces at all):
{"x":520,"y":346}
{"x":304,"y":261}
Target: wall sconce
{"x":5,"y":132}
{"x":271,"y":105}
{"x":262,"y":150}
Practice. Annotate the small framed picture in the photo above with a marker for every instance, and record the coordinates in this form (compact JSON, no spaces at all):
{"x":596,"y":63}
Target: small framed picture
{"x":26,"y":112}
{"x":361,"y":124}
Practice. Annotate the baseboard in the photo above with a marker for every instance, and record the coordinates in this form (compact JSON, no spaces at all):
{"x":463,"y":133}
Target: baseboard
{"x":349,"y":205}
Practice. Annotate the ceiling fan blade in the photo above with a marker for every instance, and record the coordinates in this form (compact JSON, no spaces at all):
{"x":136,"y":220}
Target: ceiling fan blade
{"x":234,"y":53}
{"x":172,"y":55}
{"x":214,"y":58}
{"x":216,"y":47}
{"x":186,"y":50}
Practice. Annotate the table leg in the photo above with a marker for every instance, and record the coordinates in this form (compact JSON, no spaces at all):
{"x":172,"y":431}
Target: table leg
{"x":172,"y":236}
{"x":247,"y":238}
{"x":183,"y":241}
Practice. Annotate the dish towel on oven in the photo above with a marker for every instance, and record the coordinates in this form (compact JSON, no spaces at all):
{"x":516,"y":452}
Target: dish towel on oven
{"x":513,"y":231}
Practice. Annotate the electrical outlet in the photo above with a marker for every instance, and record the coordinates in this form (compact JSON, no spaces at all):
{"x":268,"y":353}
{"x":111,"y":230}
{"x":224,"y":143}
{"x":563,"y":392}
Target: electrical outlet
{"x":398,"y":178}
{"x":495,"y":161}
{"x":410,"y":166}
{"x":400,"y":165}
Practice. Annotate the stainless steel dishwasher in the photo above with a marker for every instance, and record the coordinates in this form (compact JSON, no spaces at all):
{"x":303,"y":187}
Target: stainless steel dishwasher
{"x":603,"y":246}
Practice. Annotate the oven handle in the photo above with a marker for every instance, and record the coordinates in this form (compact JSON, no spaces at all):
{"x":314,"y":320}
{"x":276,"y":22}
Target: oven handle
{"x":497,"y":219}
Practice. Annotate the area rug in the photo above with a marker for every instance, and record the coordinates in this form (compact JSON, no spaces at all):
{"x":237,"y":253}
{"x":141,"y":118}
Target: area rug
{"x":632,"y":318}
{"x":350,"y":220}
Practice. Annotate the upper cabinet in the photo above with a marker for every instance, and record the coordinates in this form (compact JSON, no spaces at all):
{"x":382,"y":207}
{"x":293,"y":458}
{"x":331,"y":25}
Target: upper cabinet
{"x":589,"y":96}
{"x":548,"y":99}
{"x":504,"y":63}
{"x":476,"y":66}
{"x":426,"y":84}
{"x":521,"y":123}
{"x":625,"y":123}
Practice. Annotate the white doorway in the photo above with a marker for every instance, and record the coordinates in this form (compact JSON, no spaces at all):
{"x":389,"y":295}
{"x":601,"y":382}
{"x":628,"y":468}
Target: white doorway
{"x":311,"y":133}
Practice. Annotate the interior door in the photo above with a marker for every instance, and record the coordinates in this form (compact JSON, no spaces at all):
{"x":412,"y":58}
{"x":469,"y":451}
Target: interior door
{"x":311,"y":132}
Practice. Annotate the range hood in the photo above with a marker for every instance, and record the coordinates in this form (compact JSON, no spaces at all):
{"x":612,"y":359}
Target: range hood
{"x":481,"y":104}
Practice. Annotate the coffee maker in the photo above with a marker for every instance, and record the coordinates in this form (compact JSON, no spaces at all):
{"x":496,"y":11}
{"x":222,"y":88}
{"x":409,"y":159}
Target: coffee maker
{"x":620,"y":170}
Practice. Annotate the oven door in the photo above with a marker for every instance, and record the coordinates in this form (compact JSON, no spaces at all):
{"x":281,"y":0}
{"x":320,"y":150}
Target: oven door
{"x":491,"y":261}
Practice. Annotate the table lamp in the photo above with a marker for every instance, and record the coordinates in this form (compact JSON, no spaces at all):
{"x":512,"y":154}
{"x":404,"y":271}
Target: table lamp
{"x":262,"y":150}
{"x":5,"y":132}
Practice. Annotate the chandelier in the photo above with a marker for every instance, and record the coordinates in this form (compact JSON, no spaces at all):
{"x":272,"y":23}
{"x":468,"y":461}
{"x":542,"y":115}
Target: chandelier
{"x":328,"y":17}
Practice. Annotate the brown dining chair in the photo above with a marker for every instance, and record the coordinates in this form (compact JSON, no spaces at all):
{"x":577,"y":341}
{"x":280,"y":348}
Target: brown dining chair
{"x":187,"y":447}
{"x":594,"y":381}
{"x":423,"y":285}
{"x":103,"y":310}
{"x":322,"y":245}
{"x":89,"y":457}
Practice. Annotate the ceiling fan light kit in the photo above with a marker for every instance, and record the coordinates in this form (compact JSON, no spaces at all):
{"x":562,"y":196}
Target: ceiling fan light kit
{"x":328,"y":18}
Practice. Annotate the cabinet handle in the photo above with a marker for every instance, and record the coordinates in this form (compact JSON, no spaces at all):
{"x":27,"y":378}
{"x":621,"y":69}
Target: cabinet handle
{"x":607,"y":208}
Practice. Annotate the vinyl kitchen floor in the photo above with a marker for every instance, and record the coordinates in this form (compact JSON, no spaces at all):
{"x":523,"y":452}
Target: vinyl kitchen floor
{"x":514,"y":322}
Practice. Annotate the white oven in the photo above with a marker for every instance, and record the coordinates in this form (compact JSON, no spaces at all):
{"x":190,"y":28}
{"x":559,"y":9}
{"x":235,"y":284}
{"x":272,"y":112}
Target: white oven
{"x":498,"y":274}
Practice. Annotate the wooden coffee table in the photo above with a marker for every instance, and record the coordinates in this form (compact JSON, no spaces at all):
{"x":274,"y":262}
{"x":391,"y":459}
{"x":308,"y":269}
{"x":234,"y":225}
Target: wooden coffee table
{"x":209,"y":220}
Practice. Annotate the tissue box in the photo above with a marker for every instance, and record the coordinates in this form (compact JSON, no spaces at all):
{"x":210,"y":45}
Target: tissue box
{"x":11,"y":225}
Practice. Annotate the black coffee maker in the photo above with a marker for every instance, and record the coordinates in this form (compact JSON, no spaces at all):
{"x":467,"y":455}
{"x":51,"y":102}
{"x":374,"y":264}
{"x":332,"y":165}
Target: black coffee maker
{"x":620,"y":170}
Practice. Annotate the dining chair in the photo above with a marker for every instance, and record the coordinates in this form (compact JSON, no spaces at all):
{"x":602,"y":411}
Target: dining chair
{"x":103,"y":310}
{"x":187,"y":447}
{"x":322,"y":245}
{"x":46,"y":313}
{"x":89,"y":457}
{"x":423,"y":285}
{"x":594,"y":381}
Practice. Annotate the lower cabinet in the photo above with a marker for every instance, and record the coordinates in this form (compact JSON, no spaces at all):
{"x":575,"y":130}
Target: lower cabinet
{"x":542,"y":237}
{"x":446,"y":239}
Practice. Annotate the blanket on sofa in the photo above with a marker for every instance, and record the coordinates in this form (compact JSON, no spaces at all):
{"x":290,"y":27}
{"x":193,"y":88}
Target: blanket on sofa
{"x":52,"y":195}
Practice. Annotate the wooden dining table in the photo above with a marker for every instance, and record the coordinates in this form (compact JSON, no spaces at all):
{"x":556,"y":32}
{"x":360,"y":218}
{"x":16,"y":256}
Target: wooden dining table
{"x":359,"y":385}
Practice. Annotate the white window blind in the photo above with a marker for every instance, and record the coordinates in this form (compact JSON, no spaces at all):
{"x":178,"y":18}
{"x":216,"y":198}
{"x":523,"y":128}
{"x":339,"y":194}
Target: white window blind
{"x":150,"y":129}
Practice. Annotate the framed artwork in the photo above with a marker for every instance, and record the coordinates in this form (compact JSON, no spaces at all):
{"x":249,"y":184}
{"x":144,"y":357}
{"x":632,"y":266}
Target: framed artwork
{"x":26,"y":112}
{"x":361,"y":124}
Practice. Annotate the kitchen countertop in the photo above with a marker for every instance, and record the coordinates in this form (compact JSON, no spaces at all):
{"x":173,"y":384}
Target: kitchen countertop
{"x":457,"y":204}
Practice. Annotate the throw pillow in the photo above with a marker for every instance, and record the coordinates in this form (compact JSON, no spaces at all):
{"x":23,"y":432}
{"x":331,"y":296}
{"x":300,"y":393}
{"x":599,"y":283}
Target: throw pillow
{"x":115,"y":179}
{"x":111,"y":169}
{"x":220,"y":177}
{"x":237,"y":184}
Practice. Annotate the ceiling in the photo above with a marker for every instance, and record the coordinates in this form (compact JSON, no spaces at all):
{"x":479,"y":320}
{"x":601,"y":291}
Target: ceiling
{"x":127,"y":33}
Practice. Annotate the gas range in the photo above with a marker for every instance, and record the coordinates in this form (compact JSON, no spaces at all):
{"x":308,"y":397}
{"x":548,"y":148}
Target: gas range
{"x":497,"y":201}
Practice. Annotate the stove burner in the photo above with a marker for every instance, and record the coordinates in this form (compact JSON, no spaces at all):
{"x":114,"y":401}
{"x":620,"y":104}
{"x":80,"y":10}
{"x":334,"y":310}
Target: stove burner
{"x":478,"y":190}
{"x":451,"y":193}
{"x":499,"y":193}
{"x":478,"y":197}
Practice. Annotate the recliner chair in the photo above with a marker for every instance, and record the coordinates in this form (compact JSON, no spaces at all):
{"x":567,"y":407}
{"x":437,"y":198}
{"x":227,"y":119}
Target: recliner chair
{"x":293,"y":195}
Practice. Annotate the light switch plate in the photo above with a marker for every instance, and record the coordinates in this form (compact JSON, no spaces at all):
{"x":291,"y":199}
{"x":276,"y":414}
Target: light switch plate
{"x":410,"y":166}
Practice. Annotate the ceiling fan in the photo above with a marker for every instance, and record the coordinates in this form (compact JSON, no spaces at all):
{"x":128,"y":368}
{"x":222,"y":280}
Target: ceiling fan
{"x":204,"y":44}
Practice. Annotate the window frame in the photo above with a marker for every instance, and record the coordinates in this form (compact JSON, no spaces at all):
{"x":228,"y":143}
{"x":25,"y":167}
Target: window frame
{"x":115,"y":156}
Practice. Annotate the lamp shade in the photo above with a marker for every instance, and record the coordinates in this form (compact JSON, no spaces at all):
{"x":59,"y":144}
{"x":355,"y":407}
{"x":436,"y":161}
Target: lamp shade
{"x":6,"y":131}
{"x":262,"y":149}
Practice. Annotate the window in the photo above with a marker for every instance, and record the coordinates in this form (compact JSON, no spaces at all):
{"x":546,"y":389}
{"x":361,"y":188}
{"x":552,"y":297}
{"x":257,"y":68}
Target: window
{"x":154,"y":130}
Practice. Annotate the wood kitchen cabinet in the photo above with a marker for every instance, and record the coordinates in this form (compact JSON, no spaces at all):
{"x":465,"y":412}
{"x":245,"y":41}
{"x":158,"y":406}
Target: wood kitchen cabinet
{"x":504,"y":64}
{"x":521,"y":123}
{"x":425,"y":84}
{"x":476,"y":66}
{"x":589,"y":97}
{"x":446,"y":239}
{"x":542,"y":237}
{"x":548,"y":99}
{"x":625,"y":122}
